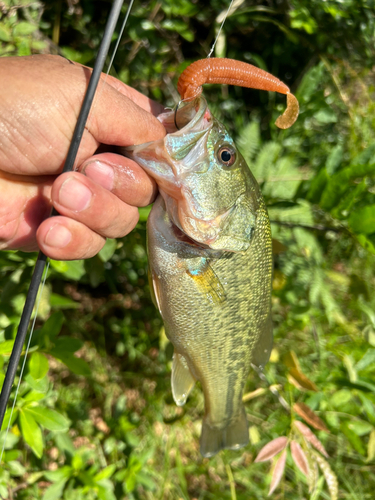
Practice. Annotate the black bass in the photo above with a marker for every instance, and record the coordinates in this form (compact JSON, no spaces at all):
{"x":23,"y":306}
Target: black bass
{"x":210,"y":259}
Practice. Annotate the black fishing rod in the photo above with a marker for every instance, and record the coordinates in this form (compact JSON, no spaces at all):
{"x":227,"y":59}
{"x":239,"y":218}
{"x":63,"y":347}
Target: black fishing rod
{"x":68,"y":167}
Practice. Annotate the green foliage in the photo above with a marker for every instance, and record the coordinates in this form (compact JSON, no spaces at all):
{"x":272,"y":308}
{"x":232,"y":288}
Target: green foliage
{"x":94,"y":417}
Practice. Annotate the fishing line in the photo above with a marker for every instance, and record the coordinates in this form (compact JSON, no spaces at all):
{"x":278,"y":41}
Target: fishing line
{"x":69,"y":165}
{"x":40,"y":294}
{"x":208,"y":56}
{"x":221,"y":27}
{"x":101,"y":88}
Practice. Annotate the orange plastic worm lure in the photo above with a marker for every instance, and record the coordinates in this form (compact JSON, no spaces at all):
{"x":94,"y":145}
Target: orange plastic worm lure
{"x":229,"y":71}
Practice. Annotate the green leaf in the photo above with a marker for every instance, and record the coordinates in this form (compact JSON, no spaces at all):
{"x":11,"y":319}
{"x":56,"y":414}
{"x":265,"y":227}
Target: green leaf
{"x":67,"y":344}
{"x":33,"y":397}
{"x":105,"y":473}
{"x":72,"y":270}
{"x":38,"y":365}
{"x":64,"y":472}
{"x":4,"y":33}
{"x":16,"y":468}
{"x":9,"y":441}
{"x":366,"y":360}
{"x":105,"y":490}
{"x":108,"y":250}
{"x":363,"y":220}
{"x":6,"y":347}
{"x":76,"y":365}
{"x":64,"y":443}
{"x":50,"y":419}
{"x":37,"y":385}
{"x":31,"y":432}
{"x":367,"y":243}
{"x":54,"y":492}
{"x":24,"y":28}
{"x":360,"y":427}
{"x":53,"y":325}
{"x":248,"y":141}
{"x":144,"y":212}
{"x":61,"y":302}
{"x":354,"y":440}
{"x":8,"y":413}
{"x":95,"y":270}
{"x":334,"y":159}
{"x":317,"y":186}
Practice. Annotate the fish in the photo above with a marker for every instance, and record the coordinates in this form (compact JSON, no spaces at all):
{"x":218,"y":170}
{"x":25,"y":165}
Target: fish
{"x":210,"y":263}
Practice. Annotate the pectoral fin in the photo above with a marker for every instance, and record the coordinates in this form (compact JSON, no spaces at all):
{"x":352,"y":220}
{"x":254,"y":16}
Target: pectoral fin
{"x":182,"y":380}
{"x":208,"y":282}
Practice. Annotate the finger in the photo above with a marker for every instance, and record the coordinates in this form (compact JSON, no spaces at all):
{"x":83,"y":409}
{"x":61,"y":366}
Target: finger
{"x":62,"y":238}
{"x":78,"y":197}
{"x":122,"y":176}
{"x":141,"y":100}
{"x":118,"y":120}
{"x":25,"y":203}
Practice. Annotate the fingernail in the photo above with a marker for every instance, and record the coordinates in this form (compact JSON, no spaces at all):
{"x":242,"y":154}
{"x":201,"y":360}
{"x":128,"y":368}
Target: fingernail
{"x":74,"y":195}
{"x":58,"y":236}
{"x":101,"y":173}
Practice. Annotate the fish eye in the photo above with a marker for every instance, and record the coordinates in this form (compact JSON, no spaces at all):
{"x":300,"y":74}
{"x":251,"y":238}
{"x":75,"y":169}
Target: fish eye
{"x":226,"y":156}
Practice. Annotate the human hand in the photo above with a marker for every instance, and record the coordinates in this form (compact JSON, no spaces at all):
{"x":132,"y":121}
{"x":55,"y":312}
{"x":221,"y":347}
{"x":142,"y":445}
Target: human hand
{"x":39,"y":104}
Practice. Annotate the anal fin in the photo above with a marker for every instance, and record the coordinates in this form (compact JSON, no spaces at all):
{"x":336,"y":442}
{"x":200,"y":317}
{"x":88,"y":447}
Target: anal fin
{"x":232,"y":437}
{"x":182,"y":380}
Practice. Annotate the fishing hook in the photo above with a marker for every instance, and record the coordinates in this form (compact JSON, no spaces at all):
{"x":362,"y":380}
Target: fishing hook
{"x":175,"y":114}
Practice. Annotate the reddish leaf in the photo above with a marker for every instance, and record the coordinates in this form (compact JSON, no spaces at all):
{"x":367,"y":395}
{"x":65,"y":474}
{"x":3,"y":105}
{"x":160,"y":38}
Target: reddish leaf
{"x":310,"y":436}
{"x":301,"y":381}
{"x":271,"y":449}
{"x":309,"y":416}
{"x":277,"y":472}
{"x":299,"y":457}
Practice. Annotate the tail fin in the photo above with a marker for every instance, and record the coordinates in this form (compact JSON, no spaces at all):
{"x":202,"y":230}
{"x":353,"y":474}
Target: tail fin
{"x":234,"y":436}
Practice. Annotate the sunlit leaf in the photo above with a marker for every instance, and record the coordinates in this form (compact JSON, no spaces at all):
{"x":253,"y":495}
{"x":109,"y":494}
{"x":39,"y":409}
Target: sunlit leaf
{"x":50,"y":419}
{"x":271,"y":449}
{"x":54,"y":492}
{"x":38,"y":365}
{"x":299,"y":457}
{"x":24,"y":28}
{"x":310,"y":436}
{"x":74,"y":269}
{"x":6,"y":347}
{"x":31,"y":432}
{"x":309,"y":416}
{"x":277,"y":472}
